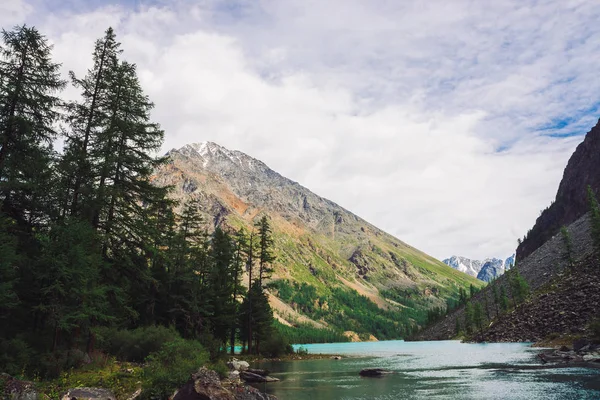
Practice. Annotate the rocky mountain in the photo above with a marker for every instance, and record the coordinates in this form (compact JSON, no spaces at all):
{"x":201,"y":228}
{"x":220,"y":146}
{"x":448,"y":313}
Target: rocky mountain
{"x":564,"y":284}
{"x":571,"y":203}
{"x":329,"y":261}
{"x":485,"y":270}
{"x":464,"y":264}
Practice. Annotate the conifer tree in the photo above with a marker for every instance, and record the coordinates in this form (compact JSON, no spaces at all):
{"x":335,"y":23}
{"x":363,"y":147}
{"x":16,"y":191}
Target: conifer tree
{"x":189,"y":298}
{"x":248,"y":306}
{"x":595,"y":217}
{"x":88,"y":119}
{"x":29,"y":85}
{"x":222,"y":286}
{"x":468,"y":317}
{"x":568,"y":244}
{"x":478,"y":316}
{"x":240,"y":243}
{"x":503,"y":299}
{"x":486,"y":306}
{"x":496,"y":298}
{"x":265,"y":253}
{"x":70,"y":295}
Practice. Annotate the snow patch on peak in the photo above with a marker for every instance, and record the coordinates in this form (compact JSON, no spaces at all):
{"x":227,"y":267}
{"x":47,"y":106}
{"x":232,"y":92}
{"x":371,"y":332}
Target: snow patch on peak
{"x":486,"y":270}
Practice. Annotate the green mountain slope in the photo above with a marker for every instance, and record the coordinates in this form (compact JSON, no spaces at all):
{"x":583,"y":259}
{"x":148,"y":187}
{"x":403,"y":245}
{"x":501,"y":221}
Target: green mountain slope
{"x":333,"y":269}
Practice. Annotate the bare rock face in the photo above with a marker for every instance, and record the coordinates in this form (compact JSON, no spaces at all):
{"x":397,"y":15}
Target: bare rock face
{"x":571,"y":202}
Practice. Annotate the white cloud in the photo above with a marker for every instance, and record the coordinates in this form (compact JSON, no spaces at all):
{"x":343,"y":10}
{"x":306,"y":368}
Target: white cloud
{"x":395,"y":110}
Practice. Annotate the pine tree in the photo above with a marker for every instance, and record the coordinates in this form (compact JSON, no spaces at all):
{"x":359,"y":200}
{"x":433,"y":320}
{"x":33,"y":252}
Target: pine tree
{"x":70,"y":295}
{"x":568,"y":244}
{"x":503,"y":299}
{"x":472,"y":291}
{"x":468,"y":318}
{"x":222,"y":286}
{"x":87,"y":119}
{"x":595,"y":217}
{"x":518,"y":287}
{"x":189,"y":297}
{"x":265,"y":253}
{"x":241,"y":242}
{"x":29,"y":85}
{"x":496,"y":298}
{"x":478,"y":316}
{"x":486,"y":306}
{"x":248,"y":306}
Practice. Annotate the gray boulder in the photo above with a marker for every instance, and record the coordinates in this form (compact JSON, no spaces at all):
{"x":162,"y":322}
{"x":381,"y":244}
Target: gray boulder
{"x":88,"y":394}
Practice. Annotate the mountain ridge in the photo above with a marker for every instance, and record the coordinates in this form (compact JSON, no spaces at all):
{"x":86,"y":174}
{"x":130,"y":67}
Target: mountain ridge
{"x":319,"y":244}
{"x":484,"y":270}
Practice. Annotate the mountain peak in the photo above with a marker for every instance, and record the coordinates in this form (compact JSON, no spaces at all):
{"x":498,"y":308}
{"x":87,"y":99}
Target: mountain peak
{"x":215,"y":157}
{"x":485,"y":270}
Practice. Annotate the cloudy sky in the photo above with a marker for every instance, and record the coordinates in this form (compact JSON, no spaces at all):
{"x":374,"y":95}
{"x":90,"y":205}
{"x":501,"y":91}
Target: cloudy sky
{"x":445,"y":123}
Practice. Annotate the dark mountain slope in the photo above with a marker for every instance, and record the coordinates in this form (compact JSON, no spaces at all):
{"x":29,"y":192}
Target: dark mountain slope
{"x":571,"y":203}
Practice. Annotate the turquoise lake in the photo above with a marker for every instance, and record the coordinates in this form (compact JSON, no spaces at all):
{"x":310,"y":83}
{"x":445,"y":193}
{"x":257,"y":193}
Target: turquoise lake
{"x":429,"y":370}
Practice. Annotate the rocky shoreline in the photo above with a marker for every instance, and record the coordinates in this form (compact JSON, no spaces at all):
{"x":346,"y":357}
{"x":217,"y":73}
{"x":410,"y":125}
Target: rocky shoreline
{"x":583,"y":353}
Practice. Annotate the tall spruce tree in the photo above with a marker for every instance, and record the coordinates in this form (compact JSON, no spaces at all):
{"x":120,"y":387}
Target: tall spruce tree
{"x":265,"y":249}
{"x":240,"y":243}
{"x":29,"y":85}
{"x":87,"y":119}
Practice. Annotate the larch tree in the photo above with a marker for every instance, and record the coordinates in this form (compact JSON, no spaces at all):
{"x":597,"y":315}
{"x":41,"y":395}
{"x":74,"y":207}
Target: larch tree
{"x":29,"y":87}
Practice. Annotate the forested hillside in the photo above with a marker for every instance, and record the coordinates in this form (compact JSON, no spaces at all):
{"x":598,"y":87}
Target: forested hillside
{"x":109,"y":251}
{"x":91,"y":252}
{"x":332,"y":270}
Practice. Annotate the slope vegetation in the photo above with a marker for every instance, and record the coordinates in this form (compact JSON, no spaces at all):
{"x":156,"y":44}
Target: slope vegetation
{"x":329,"y":262}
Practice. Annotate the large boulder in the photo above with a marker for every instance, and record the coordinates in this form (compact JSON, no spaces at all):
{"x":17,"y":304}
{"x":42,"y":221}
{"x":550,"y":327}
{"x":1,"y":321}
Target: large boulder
{"x":205,"y":385}
{"x":237,"y":365}
{"x":15,"y":389}
{"x":88,"y":394}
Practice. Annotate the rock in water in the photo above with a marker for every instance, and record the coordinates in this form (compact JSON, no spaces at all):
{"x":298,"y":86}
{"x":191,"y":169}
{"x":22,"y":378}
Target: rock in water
{"x":89,"y":394}
{"x":250,"y":377}
{"x":374,"y":372}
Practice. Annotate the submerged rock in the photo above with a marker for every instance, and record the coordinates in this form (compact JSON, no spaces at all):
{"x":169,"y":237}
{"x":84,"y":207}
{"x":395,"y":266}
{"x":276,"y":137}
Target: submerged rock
{"x":374,"y":372}
{"x":254,"y":378}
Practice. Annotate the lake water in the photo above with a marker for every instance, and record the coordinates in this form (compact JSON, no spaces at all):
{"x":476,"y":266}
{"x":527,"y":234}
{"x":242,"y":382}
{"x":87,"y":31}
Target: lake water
{"x":429,"y":370}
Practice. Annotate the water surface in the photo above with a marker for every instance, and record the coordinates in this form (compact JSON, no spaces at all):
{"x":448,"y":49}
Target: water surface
{"x":429,"y":370}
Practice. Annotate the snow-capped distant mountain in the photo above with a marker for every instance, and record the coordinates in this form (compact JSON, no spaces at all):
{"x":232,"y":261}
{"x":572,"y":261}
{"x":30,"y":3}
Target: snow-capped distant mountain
{"x":485,"y":270}
{"x":464,"y":264}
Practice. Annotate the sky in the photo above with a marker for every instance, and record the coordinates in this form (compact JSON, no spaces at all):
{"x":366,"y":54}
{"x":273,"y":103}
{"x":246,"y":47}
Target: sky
{"x":446,"y":123}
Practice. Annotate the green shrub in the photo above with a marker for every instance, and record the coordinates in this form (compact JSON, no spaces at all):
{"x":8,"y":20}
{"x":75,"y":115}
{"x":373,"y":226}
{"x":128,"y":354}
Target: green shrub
{"x":276,"y":345}
{"x":15,"y":356}
{"x":220,"y":368}
{"x":171,"y":366}
{"x":134,"y":344}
